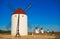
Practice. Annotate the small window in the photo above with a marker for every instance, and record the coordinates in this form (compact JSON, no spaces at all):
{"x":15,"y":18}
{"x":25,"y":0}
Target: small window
{"x":15,"y":15}
{"x":22,"y":15}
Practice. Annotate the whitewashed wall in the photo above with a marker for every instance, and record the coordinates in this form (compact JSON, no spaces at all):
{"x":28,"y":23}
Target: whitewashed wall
{"x":22,"y":24}
{"x":14,"y":24}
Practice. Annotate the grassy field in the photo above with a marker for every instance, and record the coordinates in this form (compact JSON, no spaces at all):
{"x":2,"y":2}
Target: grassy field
{"x":57,"y":35}
{"x":7,"y":35}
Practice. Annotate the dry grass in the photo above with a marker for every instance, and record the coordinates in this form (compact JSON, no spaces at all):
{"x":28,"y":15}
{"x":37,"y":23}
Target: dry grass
{"x":40,"y":36}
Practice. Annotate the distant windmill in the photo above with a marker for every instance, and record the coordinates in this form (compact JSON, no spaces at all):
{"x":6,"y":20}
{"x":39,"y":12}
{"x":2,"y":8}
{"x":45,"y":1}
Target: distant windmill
{"x":13,"y":9}
{"x":42,"y":30}
{"x":37,"y":29}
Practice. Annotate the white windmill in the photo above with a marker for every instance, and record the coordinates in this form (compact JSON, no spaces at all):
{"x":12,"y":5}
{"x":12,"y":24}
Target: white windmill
{"x":37,"y":30}
{"x":19,"y":21}
{"x":42,"y":30}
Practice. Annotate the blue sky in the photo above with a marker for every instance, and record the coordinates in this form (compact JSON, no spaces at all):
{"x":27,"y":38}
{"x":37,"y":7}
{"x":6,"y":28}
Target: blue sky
{"x":44,"y":13}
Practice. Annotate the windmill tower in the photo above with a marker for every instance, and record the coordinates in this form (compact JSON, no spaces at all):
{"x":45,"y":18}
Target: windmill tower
{"x":19,"y":22}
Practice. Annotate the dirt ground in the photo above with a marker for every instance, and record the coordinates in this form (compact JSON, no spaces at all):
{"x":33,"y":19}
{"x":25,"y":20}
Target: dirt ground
{"x":40,"y":36}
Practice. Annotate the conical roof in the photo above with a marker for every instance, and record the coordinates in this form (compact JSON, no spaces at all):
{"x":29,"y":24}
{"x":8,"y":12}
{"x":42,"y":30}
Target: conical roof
{"x":19,"y":11}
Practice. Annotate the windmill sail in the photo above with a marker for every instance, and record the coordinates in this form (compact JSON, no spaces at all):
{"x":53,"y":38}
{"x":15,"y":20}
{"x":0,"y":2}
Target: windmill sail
{"x":29,"y":6}
{"x":11,"y":7}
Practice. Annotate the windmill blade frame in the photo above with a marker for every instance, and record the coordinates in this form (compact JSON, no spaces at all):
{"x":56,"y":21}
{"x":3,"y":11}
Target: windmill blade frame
{"x":28,"y":7}
{"x":11,"y":7}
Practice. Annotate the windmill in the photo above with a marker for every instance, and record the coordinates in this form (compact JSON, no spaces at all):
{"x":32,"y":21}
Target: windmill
{"x":12,"y":8}
{"x":42,"y":30}
{"x":37,"y":29}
